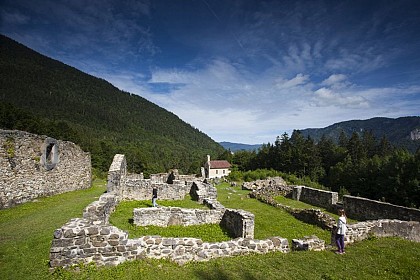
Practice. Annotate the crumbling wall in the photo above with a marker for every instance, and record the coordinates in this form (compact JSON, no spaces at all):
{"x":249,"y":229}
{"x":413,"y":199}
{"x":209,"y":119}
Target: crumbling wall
{"x":238,"y":223}
{"x":201,"y":190}
{"x":169,"y":216}
{"x":35,"y":166}
{"x":315,"y":197}
{"x":92,"y":239}
{"x":409,"y":230}
{"x":366,"y":209}
{"x":81,"y":241}
{"x":135,"y":187}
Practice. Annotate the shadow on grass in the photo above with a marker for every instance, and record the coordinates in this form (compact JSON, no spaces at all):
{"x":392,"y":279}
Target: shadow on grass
{"x":219,"y":273}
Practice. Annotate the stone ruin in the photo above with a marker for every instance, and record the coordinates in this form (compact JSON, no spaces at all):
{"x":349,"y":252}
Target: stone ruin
{"x":33,"y":166}
{"x":93,"y":239}
{"x":378,"y":219}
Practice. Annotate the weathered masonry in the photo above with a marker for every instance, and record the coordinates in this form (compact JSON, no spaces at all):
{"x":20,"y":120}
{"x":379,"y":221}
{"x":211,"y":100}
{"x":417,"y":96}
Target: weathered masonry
{"x":356,"y":207}
{"x":93,"y":239}
{"x":33,"y":166}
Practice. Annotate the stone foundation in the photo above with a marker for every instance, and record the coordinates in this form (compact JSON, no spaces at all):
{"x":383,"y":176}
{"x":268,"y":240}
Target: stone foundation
{"x":92,"y":239}
{"x":81,"y":241}
{"x":169,"y":216}
{"x":308,"y":243}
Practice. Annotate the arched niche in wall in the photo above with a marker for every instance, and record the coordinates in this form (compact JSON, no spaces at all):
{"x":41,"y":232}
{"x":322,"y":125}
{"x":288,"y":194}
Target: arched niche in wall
{"x":50,"y":154}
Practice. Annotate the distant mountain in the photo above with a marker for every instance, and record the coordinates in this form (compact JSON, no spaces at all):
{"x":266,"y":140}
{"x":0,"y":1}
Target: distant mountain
{"x":43,"y":95}
{"x":401,"y":132}
{"x":239,"y":147}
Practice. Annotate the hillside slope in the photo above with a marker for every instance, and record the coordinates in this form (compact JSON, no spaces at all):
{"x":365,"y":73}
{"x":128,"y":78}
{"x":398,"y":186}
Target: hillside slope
{"x":239,"y":146}
{"x":397,"y":131}
{"x":93,"y":113}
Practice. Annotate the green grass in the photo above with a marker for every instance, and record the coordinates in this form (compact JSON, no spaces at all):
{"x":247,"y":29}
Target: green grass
{"x":26,"y":234}
{"x":123,"y":215}
{"x":269,"y":221}
{"x":26,"y":231}
{"x":302,"y":205}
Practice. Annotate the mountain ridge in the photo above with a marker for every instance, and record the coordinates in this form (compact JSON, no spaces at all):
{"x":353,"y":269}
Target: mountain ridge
{"x":98,"y":116}
{"x":397,"y":130}
{"x":234,"y":147}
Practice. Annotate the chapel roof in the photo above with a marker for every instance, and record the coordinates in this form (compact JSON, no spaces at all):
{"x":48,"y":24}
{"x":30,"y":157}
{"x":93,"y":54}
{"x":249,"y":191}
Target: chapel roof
{"x":217,"y":164}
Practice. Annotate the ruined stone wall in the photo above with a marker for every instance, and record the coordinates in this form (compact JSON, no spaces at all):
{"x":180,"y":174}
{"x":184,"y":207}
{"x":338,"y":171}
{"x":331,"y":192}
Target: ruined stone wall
{"x":99,"y":211}
{"x":365,"y":209}
{"x":81,"y":241}
{"x":135,"y":187}
{"x":92,"y":239}
{"x":33,"y":166}
{"x":238,"y":223}
{"x":409,"y":230}
{"x":200,"y":191}
{"x":169,"y":216}
{"x":117,"y":173}
{"x":315,"y":197}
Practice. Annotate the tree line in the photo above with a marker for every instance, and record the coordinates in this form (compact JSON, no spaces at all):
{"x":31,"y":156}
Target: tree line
{"x":359,"y":165}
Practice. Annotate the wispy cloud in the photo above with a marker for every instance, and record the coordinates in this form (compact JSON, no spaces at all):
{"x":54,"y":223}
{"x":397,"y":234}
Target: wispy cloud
{"x":242,"y":71}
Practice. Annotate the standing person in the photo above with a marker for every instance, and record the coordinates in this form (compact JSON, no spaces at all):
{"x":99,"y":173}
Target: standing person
{"x":154,"y":197}
{"x":341,"y":231}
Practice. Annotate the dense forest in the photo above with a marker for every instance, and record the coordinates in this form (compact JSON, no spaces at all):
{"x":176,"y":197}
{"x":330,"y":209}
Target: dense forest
{"x":44,"y":96}
{"x":356,"y":165}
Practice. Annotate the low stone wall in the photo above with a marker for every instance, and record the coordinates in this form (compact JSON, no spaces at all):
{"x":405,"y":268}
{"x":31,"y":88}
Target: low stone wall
{"x":98,"y":212}
{"x":315,"y":197}
{"x":308,"y":243}
{"x":356,"y":232}
{"x":269,"y":183}
{"x":81,"y":241}
{"x":365,"y":209}
{"x":200,"y":191}
{"x":310,"y":216}
{"x":169,"y":216}
{"x":135,"y":187}
{"x":141,"y":189}
{"x":33,"y":166}
{"x":239,"y":223}
{"x":409,"y":230}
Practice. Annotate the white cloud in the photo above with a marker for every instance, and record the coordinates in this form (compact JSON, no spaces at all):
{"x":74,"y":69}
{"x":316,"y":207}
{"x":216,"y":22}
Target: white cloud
{"x":298,"y":80}
{"x":324,"y":97}
{"x":228,"y":103}
{"x":334,"y":79}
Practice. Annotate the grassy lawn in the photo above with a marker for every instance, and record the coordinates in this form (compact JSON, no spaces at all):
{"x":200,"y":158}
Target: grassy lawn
{"x":269,"y":221}
{"x":26,"y":231}
{"x":302,"y":205}
{"x":26,"y":234}
{"x":123,"y":215}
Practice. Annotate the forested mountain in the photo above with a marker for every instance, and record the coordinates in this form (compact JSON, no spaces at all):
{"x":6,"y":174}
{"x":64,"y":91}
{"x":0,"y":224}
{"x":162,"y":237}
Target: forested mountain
{"x":44,"y":96}
{"x":239,"y":147}
{"x":397,"y":131}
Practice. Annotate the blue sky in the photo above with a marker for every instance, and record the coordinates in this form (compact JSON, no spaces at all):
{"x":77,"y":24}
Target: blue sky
{"x":240,"y":71}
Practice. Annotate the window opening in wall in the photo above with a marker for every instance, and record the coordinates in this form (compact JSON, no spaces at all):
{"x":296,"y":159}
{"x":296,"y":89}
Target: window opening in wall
{"x":49,"y":154}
